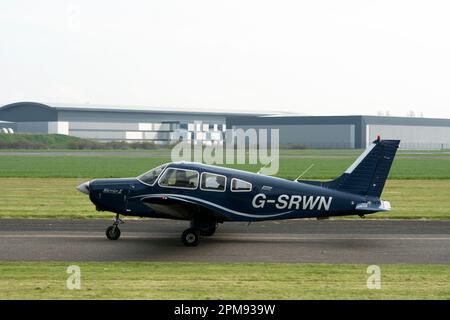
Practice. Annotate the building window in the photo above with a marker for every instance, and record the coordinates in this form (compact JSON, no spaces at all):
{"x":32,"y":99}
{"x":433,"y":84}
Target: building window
{"x":213,"y":182}
{"x":179,"y":178}
{"x":238,"y":185}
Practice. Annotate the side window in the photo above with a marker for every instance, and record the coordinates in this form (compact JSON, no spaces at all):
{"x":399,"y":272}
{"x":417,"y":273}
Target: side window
{"x":213,"y":182}
{"x":238,"y":185}
{"x":179,"y":178}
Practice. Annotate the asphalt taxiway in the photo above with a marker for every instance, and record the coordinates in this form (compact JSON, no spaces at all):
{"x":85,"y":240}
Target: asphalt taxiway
{"x":303,"y":241}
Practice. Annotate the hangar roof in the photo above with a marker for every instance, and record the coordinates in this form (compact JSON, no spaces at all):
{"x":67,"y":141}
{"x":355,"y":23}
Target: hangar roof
{"x":122,"y":108}
{"x":36,"y":112}
{"x":324,"y":120}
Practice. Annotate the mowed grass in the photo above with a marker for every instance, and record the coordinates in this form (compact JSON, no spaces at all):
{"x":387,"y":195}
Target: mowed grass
{"x":149,"y":280}
{"x":58,"y":198}
{"x":45,"y":198}
{"x":44,"y":186}
{"x":328,"y":164}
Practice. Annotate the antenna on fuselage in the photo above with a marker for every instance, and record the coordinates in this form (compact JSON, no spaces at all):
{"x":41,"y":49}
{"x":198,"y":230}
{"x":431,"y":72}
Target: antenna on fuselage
{"x":259,"y":171}
{"x":304,"y":172}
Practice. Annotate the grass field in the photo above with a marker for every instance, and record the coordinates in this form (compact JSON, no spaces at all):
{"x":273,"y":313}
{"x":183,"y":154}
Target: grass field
{"x":36,"y":141}
{"x":147,"y":280}
{"x":58,"y":198}
{"x":44,"y":185}
{"x":38,"y":186}
{"x":42,"y":141}
{"x":327,"y":164}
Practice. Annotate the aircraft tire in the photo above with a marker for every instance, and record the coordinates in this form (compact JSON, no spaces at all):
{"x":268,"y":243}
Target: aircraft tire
{"x":190,"y":237}
{"x":113,"y":233}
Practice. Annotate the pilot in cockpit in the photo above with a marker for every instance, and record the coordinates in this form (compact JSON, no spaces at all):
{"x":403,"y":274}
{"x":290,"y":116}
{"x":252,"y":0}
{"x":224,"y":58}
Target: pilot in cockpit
{"x":181,"y":179}
{"x":215,"y":182}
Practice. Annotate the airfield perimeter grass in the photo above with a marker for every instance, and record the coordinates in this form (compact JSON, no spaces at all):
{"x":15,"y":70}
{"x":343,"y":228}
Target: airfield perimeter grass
{"x":58,"y":198}
{"x":327,"y":165}
{"x":149,"y":280}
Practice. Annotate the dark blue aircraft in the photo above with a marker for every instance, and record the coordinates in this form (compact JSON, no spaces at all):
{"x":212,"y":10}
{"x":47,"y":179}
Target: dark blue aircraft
{"x":207,"y":195}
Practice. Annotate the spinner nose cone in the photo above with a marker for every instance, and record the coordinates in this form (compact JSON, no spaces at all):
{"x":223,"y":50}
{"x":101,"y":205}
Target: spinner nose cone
{"x":84,"y":187}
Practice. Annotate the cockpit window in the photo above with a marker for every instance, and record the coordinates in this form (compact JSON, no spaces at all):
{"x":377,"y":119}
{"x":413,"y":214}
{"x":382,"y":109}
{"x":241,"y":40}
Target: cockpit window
{"x":151,"y":176}
{"x":238,"y":185}
{"x":213,"y":182}
{"x":179,"y":178}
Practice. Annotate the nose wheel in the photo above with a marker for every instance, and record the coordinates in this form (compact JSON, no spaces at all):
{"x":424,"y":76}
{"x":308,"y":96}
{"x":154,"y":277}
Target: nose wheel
{"x":113,"y":232}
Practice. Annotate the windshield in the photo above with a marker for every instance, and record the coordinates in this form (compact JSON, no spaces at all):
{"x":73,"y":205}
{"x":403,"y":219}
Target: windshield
{"x":150,"y":176}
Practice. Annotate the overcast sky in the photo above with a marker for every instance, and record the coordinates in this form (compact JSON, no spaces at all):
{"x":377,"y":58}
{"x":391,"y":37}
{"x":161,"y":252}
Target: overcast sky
{"x":313,"y":57}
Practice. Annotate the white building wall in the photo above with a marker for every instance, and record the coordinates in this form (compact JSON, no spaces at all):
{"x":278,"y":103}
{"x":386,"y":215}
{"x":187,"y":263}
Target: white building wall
{"x":165,"y":133}
{"x":59,"y":127}
{"x":99,"y":135}
{"x":413,"y":137}
{"x":134,"y":135}
{"x":137,"y":126}
{"x":145,"y":126}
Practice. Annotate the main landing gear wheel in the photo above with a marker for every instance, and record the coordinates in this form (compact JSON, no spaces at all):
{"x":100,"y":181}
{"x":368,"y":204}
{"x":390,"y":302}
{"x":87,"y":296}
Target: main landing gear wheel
{"x":190,"y":237}
{"x":113,"y":233}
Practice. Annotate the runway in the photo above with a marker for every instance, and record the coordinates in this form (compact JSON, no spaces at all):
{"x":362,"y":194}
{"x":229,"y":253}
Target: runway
{"x":302,"y":241}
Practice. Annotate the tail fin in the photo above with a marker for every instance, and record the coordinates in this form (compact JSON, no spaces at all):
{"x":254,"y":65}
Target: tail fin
{"x":368,"y":174}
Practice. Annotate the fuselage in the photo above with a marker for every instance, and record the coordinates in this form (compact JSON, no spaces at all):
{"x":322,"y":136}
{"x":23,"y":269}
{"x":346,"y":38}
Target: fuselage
{"x":262,"y":198}
{"x":208,"y":195}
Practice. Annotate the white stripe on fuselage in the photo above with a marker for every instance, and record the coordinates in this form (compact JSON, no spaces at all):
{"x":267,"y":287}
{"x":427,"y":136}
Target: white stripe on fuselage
{"x":218,"y":206}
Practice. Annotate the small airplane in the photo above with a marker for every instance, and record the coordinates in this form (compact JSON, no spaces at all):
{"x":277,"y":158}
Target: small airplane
{"x":207,"y":195}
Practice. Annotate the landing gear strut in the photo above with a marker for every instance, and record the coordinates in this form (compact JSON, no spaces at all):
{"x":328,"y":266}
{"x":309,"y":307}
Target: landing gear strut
{"x":191,"y":236}
{"x":113,"y":232}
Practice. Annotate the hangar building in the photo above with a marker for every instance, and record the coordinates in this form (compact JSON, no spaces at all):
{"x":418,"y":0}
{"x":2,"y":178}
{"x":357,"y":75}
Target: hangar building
{"x":351,"y":131}
{"x":109,"y":123}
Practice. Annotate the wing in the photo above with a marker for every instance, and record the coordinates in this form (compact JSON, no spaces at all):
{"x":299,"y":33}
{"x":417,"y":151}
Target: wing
{"x":183,"y":209}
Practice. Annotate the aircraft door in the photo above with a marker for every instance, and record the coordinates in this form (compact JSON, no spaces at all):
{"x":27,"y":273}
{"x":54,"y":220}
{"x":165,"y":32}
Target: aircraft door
{"x":133,"y":204}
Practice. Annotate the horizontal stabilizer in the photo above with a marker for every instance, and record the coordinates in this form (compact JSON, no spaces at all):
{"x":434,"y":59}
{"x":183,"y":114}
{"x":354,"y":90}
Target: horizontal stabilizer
{"x":374,"y":206}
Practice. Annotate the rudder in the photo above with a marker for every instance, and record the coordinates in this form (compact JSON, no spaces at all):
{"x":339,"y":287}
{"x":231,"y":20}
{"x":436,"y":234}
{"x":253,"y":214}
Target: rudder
{"x":368,"y":174}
